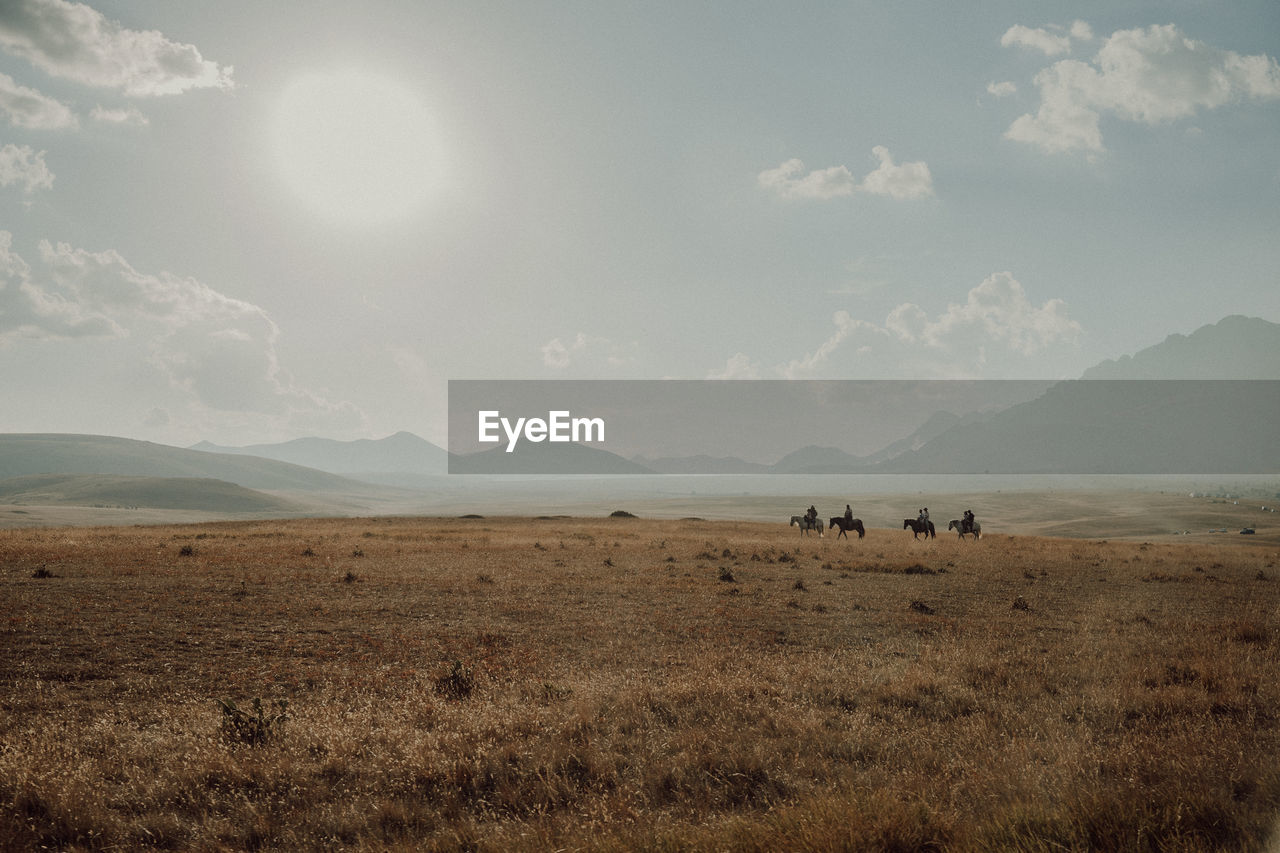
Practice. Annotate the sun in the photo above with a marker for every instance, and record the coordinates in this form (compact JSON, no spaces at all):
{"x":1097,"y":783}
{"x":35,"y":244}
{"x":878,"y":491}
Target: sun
{"x":356,"y":146}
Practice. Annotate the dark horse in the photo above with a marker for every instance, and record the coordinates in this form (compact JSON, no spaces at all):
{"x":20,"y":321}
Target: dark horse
{"x":806,"y":524}
{"x":963,"y":527}
{"x":846,"y":525}
{"x":917,"y":527}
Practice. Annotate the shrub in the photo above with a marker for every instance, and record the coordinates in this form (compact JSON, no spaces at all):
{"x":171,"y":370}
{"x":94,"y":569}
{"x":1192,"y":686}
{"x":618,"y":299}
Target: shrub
{"x":620,"y":513}
{"x":254,"y":727}
{"x":457,"y":683}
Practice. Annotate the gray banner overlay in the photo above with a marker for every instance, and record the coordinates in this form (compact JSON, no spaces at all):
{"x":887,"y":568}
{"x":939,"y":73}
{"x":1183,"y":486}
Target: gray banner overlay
{"x":599,"y":427}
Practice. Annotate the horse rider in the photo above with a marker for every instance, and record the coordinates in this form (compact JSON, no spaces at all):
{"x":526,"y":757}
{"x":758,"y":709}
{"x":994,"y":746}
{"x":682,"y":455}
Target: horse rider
{"x":924,"y":517}
{"x":812,"y":514}
{"x":848,"y":514}
{"x":968,"y":521}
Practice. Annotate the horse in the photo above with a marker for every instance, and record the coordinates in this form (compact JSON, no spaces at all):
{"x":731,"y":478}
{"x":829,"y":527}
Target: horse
{"x":959,"y":526}
{"x":916,"y":526}
{"x":847,"y":525}
{"x":806,"y":524}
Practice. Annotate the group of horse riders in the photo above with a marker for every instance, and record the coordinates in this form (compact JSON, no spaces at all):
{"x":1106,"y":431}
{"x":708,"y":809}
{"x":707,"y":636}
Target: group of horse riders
{"x":966,"y":523}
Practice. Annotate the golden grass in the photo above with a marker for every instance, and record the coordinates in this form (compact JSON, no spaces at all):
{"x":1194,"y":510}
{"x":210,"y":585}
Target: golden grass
{"x":522,"y":683}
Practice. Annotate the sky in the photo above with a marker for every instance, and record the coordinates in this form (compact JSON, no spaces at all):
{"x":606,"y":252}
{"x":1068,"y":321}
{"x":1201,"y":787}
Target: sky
{"x":276,"y":220}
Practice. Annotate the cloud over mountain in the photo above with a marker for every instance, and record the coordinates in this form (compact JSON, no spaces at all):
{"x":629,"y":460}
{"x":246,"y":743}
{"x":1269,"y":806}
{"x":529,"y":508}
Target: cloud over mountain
{"x":220,"y":349}
{"x":997,"y":320}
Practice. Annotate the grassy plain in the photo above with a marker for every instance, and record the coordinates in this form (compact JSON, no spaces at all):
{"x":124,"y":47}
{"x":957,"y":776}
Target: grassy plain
{"x":619,"y":683}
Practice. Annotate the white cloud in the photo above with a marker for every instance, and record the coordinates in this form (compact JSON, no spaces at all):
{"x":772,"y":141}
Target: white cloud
{"x":908,"y":322}
{"x":739,"y":366}
{"x":908,"y":180}
{"x":996,"y":329}
{"x":219,"y":349}
{"x":559,"y":355}
{"x":1081,"y":31}
{"x":1002,"y":89}
{"x":810,"y":363}
{"x":995,"y":310}
{"x":25,"y":107}
{"x":75,"y":42}
{"x":29,"y":310}
{"x":131,"y":115}
{"x":1065,"y":121}
{"x":1036,"y":39}
{"x":790,"y":181}
{"x":1150,"y":75}
{"x":22,"y":165}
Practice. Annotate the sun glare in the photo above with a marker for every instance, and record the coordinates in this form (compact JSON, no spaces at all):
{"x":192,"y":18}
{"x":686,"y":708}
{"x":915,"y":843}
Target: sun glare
{"x":357,"y":147}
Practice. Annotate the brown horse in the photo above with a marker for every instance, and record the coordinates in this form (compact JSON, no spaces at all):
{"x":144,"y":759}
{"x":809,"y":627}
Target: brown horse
{"x":917,"y":527}
{"x":846,"y":525}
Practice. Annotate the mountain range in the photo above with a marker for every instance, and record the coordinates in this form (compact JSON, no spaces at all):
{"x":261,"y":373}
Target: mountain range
{"x":403,"y":453}
{"x":1198,"y":425}
{"x":1115,"y":425}
{"x":1235,"y":347}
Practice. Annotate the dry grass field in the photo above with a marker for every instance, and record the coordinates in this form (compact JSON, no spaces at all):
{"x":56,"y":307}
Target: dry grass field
{"x":619,"y":683}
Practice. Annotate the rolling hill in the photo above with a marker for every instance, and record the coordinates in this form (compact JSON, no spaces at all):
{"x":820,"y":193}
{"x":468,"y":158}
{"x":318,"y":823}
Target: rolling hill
{"x":546,"y":458}
{"x":63,"y":453}
{"x":108,"y":490}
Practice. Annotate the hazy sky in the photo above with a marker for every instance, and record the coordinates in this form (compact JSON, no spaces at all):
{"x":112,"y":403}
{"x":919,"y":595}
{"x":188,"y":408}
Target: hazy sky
{"x":247,"y":221}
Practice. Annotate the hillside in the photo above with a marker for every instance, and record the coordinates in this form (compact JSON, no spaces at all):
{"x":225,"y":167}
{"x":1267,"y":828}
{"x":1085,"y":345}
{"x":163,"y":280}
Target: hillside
{"x":700,"y":464}
{"x":401,"y":453}
{"x":1235,"y":347}
{"x":545,"y":458}
{"x":61,"y":453}
{"x":1116,"y":427}
{"x":1209,"y":405}
{"x":105,"y":490}
{"x":816,"y":460}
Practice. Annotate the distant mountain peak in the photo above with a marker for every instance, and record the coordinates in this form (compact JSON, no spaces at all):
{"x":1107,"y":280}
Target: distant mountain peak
{"x":1236,"y":347}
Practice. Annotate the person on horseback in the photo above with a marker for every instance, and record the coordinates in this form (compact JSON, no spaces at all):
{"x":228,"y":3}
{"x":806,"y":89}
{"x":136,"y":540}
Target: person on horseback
{"x":812,"y":514}
{"x":848,"y":514}
{"x":967,"y":525}
{"x":924,"y":517}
